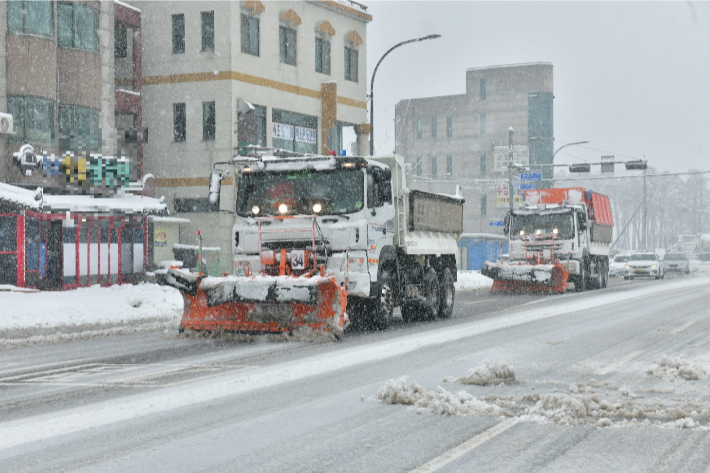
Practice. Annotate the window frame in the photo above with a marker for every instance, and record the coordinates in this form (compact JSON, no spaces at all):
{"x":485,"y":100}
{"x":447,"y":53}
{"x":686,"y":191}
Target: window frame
{"x":209,"y":127}
{"x":179,"y":121}
{"x":419,"y":128}
{"x":323,"y":53}
{"x":434,"y":166}
{"x":483,"y":123}
{"x":351,"y":61}
{"x":120,"y":44}
{"x":484,"y":163}
{"x":484,"y":205}
{"x":23,"y":28}
{"x":208,"y":35}
{"x":483,"y":91}
{"x":77,"y":41}
{"x":21,"y":120}
{"x":449,"y":165}
{"x":178,"y":33}
{"x":288,"y":45}
{"x":449,"y":127}
{"x":247,"y":40}
{"x":434,"y":131}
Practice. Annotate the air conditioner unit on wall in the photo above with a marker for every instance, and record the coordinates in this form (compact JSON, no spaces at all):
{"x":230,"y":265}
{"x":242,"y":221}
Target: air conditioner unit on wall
{"x":6,"y":124}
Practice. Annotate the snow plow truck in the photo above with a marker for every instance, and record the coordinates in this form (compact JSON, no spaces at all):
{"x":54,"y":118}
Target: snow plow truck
{"x":322,"y":241}
{"x":557,"y":236}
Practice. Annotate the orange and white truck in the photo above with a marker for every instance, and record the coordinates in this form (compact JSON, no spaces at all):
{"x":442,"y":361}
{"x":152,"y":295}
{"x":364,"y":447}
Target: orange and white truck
{"x":557,"y":236}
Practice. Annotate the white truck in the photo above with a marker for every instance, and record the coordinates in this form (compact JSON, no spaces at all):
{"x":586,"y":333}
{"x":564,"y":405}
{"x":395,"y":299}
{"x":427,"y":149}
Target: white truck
{"x":388,"y":245}
{"x":558,"y":236}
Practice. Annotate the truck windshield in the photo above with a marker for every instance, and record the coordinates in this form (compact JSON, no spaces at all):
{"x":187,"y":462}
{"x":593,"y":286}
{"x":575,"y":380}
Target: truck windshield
{"x":543,"y":224}
{"x":337,"y":192}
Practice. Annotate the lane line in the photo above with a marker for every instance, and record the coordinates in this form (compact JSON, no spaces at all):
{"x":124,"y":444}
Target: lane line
{"x":683,"y":327}
{"x":478,"y":302}
{"x":78,"y":419}
{"x":620,"y":362}
{"x":447,"y":457}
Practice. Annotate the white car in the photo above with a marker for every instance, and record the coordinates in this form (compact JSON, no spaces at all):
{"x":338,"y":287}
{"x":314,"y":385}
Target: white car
{"x":617,"y":266}
{"x":643,"y":265}
{"x":676,"y":262}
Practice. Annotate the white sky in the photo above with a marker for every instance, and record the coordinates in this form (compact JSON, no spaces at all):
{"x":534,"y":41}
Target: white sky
{"x":632,"y":78}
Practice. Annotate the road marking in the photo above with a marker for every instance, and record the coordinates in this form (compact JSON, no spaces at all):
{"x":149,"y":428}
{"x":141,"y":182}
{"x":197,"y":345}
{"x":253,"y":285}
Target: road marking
{"x":467,"y":446}
{"x":63,"y":422}
{"x":683,"y":327}
{"x":620,"y":362}
{"x":476,"y":302}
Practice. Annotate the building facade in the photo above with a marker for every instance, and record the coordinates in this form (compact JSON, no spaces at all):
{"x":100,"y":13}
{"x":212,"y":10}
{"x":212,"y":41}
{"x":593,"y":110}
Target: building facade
{"x":74,"y":213}
{"x":463,"y":139}
{"x":218,"y":76}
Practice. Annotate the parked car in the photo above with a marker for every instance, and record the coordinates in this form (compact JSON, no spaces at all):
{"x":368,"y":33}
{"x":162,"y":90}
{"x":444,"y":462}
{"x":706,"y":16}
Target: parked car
{"x":643,"y":265}
{"x":617,"y":267}
{"x":676,"y":262}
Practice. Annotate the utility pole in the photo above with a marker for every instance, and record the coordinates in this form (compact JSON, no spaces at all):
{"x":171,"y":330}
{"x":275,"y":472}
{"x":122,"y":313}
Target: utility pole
{"x":510,"y":167}
{"x":645,"y":214}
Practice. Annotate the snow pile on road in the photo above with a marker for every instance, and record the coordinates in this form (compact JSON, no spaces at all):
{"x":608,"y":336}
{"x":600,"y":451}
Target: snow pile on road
{"x":674,"y":367}
{"x":472,"y":280}
{"x":48,"y":317}
{"x":438,"y":401}
{"x":562,"y":408}
{"x":489,"y":373}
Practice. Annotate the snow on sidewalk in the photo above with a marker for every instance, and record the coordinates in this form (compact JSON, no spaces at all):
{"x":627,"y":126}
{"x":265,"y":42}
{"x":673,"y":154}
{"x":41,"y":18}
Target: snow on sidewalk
{"x":42,"y":317}
{"x":472,"y":280}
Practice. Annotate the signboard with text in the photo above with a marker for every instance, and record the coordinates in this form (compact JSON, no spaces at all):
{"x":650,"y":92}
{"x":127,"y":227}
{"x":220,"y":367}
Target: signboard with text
{"x":282,"y":131}
{"x":502,"y":197}
{"x":521,"y":156}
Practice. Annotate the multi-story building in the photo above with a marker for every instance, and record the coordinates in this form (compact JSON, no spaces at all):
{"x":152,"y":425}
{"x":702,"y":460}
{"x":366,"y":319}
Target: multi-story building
{"x":463,"y":139}
{"x":69,"y":73}
{"x":221,"y":75}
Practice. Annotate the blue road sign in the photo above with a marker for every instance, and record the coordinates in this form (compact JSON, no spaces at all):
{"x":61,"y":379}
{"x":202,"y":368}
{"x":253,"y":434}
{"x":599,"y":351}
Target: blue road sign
{"x":531,"y":176}
{"x":496,"y":223}
{"x":525,"y":186}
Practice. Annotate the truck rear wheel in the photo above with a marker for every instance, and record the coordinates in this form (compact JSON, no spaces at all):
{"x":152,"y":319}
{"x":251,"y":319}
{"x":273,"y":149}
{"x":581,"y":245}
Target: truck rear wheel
{"x":428,"y":308}
{"x":446,"y":294}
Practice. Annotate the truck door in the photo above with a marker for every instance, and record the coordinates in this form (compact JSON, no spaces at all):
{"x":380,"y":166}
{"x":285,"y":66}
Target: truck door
{"x":380,"y":216}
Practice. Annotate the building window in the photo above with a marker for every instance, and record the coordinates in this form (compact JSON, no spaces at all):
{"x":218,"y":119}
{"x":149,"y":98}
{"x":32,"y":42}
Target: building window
{"x":120,"y":45}
{"x":179,"y":122}
{"x":208,"y":119}
{"x":252,"y":128}
{"x":433,"y":128}
{"x":33,"y":118}
{"x":434,"y":170}
{"x":483,"y":89}
{"x":145,"y":134}
{"x":287,"y":45}
{"x":323,"y":56}
{"x":419,"y":128}
{"x":351,"y":64}
{"x":449,"y":127}
{"x":194,"y":205}
{"x":250,"y":35}
{"x":31,"y":17}
{"x":419,"y":167}
{"x":207,"y":31}
{"x":294,"y":131}
{"x":449,"y":165}
{"x":484,"y":205}
{"x":179,"y":34}
{"x":77,"y":27}
{"x":78,"y":120}
{"x":483,"y":123}
{"x":483,"y":164}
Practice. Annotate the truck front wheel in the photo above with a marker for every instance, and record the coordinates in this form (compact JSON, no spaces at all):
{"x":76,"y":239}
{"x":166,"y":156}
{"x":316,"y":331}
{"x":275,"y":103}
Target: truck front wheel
{"x":446,"y":294}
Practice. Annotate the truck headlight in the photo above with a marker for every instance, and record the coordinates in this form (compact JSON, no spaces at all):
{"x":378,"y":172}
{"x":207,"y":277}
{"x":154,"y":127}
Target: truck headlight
{"x":654,"y":266}
{"x":627,"y":267}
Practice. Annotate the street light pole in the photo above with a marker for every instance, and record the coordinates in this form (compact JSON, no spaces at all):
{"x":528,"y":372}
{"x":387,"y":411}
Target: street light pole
{"x":372,"y":85}
{"x":510,"y":167}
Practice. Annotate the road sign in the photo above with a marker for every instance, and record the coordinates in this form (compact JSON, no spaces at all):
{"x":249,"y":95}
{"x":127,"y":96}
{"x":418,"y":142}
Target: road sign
{"x":525,"y":186}
{"x":531,"y":176}
{"x":496,"y":223}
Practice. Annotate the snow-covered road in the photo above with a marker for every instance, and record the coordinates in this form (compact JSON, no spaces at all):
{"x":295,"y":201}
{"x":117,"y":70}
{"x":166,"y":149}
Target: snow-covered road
{"x":602,"y":381}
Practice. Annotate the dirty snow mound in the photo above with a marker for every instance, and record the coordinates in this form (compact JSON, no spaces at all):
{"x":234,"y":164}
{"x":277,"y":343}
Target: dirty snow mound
{"x":561,"y":408}
{"x":438,"y":401}
{"x":472,"y":280}
{"x":489,"y":373}
{"x":674,"y":367}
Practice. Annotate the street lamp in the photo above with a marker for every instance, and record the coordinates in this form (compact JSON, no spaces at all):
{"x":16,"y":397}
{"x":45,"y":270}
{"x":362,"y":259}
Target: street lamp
{"x":372,"y":84}
{"x":552,"y":161}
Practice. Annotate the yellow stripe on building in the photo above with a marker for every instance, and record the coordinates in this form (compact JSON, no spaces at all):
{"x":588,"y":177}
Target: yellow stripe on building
{"x":249,"y":79}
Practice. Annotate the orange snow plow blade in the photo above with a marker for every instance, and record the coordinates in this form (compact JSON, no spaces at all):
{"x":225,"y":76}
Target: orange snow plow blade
{"x":526,"y":277}
{"x":261,"y":304}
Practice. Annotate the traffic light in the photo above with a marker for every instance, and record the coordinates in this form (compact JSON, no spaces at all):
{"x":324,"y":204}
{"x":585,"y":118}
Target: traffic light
{"x":639,"y":164}
{"x":580,"y":167}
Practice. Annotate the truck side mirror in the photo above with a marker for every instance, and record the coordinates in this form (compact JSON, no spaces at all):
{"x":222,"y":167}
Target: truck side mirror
{"x":582,"y":220}
{"x":216,"y":178}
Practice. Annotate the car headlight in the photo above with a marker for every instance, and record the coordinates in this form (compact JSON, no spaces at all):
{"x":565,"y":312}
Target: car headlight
{"x":627,"y":267}
{"x":654,"y":266}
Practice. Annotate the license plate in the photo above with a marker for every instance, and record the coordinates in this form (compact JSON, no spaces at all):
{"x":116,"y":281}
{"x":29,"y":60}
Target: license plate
{"x":640,"y":271}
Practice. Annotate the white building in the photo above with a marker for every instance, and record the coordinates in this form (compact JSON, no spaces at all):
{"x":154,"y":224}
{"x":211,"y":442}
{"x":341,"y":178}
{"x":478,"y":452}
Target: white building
{"x":301,"y":65}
